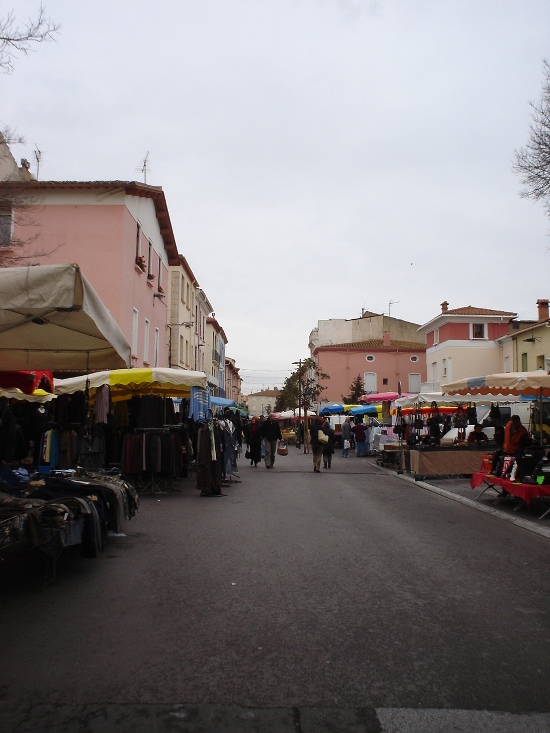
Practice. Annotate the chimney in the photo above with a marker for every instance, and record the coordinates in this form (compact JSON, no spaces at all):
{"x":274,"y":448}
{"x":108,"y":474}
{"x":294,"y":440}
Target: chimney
{"x":542,"y":305}
{"x":444,"y":306}
{"x":387,"y":339}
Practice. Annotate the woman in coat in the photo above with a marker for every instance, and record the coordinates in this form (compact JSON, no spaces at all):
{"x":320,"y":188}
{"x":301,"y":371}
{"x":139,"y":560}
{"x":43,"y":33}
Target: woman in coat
{"x":328,"y":449}
{"x":317,"y":446}
{"x":254,"y":440}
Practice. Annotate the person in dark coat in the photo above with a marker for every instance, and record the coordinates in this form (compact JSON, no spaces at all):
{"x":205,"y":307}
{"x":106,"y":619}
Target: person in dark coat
{"x":254,"y":440}
{"x":315,"y":426}
{"x":271,"y":432}
{"x":328,"y":449}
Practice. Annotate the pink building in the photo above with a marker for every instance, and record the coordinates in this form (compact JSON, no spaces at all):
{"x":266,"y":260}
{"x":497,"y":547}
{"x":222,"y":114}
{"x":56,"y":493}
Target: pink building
{"x":380,"y":363}
{"x":120,"y":235}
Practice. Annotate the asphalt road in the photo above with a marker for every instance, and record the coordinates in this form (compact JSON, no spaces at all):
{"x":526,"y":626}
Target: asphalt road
{"x":343,"y":601}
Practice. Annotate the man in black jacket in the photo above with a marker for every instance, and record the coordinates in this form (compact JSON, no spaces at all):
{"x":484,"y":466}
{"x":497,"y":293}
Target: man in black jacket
{"x":271,"y":432}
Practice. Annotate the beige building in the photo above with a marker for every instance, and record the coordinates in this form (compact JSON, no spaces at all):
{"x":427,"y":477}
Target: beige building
{"x":371,"y":326}
{"x":233,"y":382}
{"x":181,"y":331}
{"x":262,"y":403}
{"x":527,"y":347}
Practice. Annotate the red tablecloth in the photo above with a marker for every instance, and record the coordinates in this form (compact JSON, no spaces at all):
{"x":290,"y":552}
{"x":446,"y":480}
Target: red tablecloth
{"x":522,"y":491}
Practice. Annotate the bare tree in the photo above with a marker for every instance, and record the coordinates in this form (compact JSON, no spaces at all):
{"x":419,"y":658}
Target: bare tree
{"x":19,"y":37}
{"x":532,"y":162}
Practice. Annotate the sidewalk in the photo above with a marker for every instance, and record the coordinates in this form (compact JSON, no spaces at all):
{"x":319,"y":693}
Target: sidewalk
{"x":458,"y":489}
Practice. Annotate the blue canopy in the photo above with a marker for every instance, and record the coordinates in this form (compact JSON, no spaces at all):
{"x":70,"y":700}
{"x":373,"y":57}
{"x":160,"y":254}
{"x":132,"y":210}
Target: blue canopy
{"x":335,"y":409}
{"x":363,"y":410}
{"x":222,"y":402}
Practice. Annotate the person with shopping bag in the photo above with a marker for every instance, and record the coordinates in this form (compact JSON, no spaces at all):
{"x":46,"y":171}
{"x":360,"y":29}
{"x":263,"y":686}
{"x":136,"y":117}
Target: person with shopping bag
{"x":318,"y":439}
{"x":271,"y":433}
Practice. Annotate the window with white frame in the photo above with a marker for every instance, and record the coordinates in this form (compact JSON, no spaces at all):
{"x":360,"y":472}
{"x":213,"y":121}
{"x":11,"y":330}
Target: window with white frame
{"x":507,"y":364}
{"x":478,"y":330}
{"x":434,"y":371}
{"x":369,"y":381}
{"x":436,"y":336}
{"x":135,"y":324}
{"x":157,"y":346}
{"x":146,"y":340}
{"x":414,"y":382}
{"x":444,"y":368}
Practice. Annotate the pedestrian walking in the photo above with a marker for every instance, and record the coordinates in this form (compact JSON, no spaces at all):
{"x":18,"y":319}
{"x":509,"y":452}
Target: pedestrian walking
{"x":328,"y":449}
{"x":271,"y":432}
{"x":346,"y":436}
{"x":254,"y":441}
{"x":317,"y":445}
{"x":360,"y":432}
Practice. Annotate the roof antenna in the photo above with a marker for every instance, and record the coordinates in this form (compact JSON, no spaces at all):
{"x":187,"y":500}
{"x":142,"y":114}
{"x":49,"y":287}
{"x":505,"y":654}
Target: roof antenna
{"x":38,"y":156}
{"x":144,"y":167}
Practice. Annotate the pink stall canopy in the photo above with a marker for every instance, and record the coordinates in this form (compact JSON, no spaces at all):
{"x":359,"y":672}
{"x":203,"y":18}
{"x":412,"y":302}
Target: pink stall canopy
{"x":383,"y":396}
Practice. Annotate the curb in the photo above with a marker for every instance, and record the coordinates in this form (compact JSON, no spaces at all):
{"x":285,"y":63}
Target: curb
{"x":517,"y":521}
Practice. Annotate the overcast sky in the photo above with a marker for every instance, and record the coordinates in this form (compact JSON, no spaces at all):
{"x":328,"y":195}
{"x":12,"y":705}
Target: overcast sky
{"x":318,"y":156}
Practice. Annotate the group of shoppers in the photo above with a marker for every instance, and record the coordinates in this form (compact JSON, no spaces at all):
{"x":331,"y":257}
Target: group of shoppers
{"x":262,"y":437}
{"x":323,"y":448}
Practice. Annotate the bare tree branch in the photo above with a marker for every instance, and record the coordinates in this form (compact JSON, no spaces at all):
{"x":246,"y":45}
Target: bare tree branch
{"x":532,"y":162}
{"x":18,"y":38}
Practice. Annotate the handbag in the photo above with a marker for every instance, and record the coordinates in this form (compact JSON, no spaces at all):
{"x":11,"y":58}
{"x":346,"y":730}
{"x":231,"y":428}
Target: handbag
{"x":247,"y":455}
{"x":282,"y":449}
{"x":322,"y":437}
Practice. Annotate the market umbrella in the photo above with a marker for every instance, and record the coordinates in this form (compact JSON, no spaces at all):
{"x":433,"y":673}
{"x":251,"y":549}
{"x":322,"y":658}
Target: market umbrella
{"x":363,"y":410}
{"x":26,"y":381}
{"x":383,"y":396}
{"x":125,"y":383}
{"x":519,"y":384}
{"x":52,"y":318}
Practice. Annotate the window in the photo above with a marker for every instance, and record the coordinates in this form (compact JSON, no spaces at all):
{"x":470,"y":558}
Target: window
{"x":146,"y":340}
{"x":370,"y":357}
{"x":149,"y":259}
{"x":414,"y":359}
{"x":478,"y":330}
{"x":524,"y":363}
{"x":540,"y":361}
{"x":159,"y":276}
{"x":385,"y":381}
{"x":369,"y":381}
{"x":138,"y":239}
{"x":414,"y":383}
{"x":181,"y":355}
{"x":434,"y":372}
{"x":135,"y":323}
{"x":5,"y":227}
{"x":444,"y":368}
{"x":507,"y":364}
{"x":157,"y":342}
{"x":182,"y":294}
{"x":436,"y":336}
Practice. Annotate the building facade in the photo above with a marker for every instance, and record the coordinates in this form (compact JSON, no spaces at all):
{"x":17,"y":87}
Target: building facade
{"x":262,"y":403}
{"x":464,"y":342}
{"x":382,"y":351}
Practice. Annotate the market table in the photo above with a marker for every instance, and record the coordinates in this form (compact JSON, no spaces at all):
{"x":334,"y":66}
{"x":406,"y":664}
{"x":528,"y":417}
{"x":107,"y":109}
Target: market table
{"x":445,"y":461}
{"x":524,"y":492}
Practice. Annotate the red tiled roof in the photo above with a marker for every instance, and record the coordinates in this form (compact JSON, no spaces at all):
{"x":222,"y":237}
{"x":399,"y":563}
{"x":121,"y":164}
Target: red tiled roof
{"x":376,"y":345}
{"x":470,"y":310}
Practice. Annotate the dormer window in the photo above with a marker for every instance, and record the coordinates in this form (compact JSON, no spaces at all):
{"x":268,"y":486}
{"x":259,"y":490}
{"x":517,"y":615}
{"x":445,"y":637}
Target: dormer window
{"x":478,"y":331}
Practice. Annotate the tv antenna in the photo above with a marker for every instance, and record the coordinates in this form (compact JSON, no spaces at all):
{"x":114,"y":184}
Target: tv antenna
{"x":390,"y":305}
{"x":144,"y":168}
{"x":38,"y":156}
